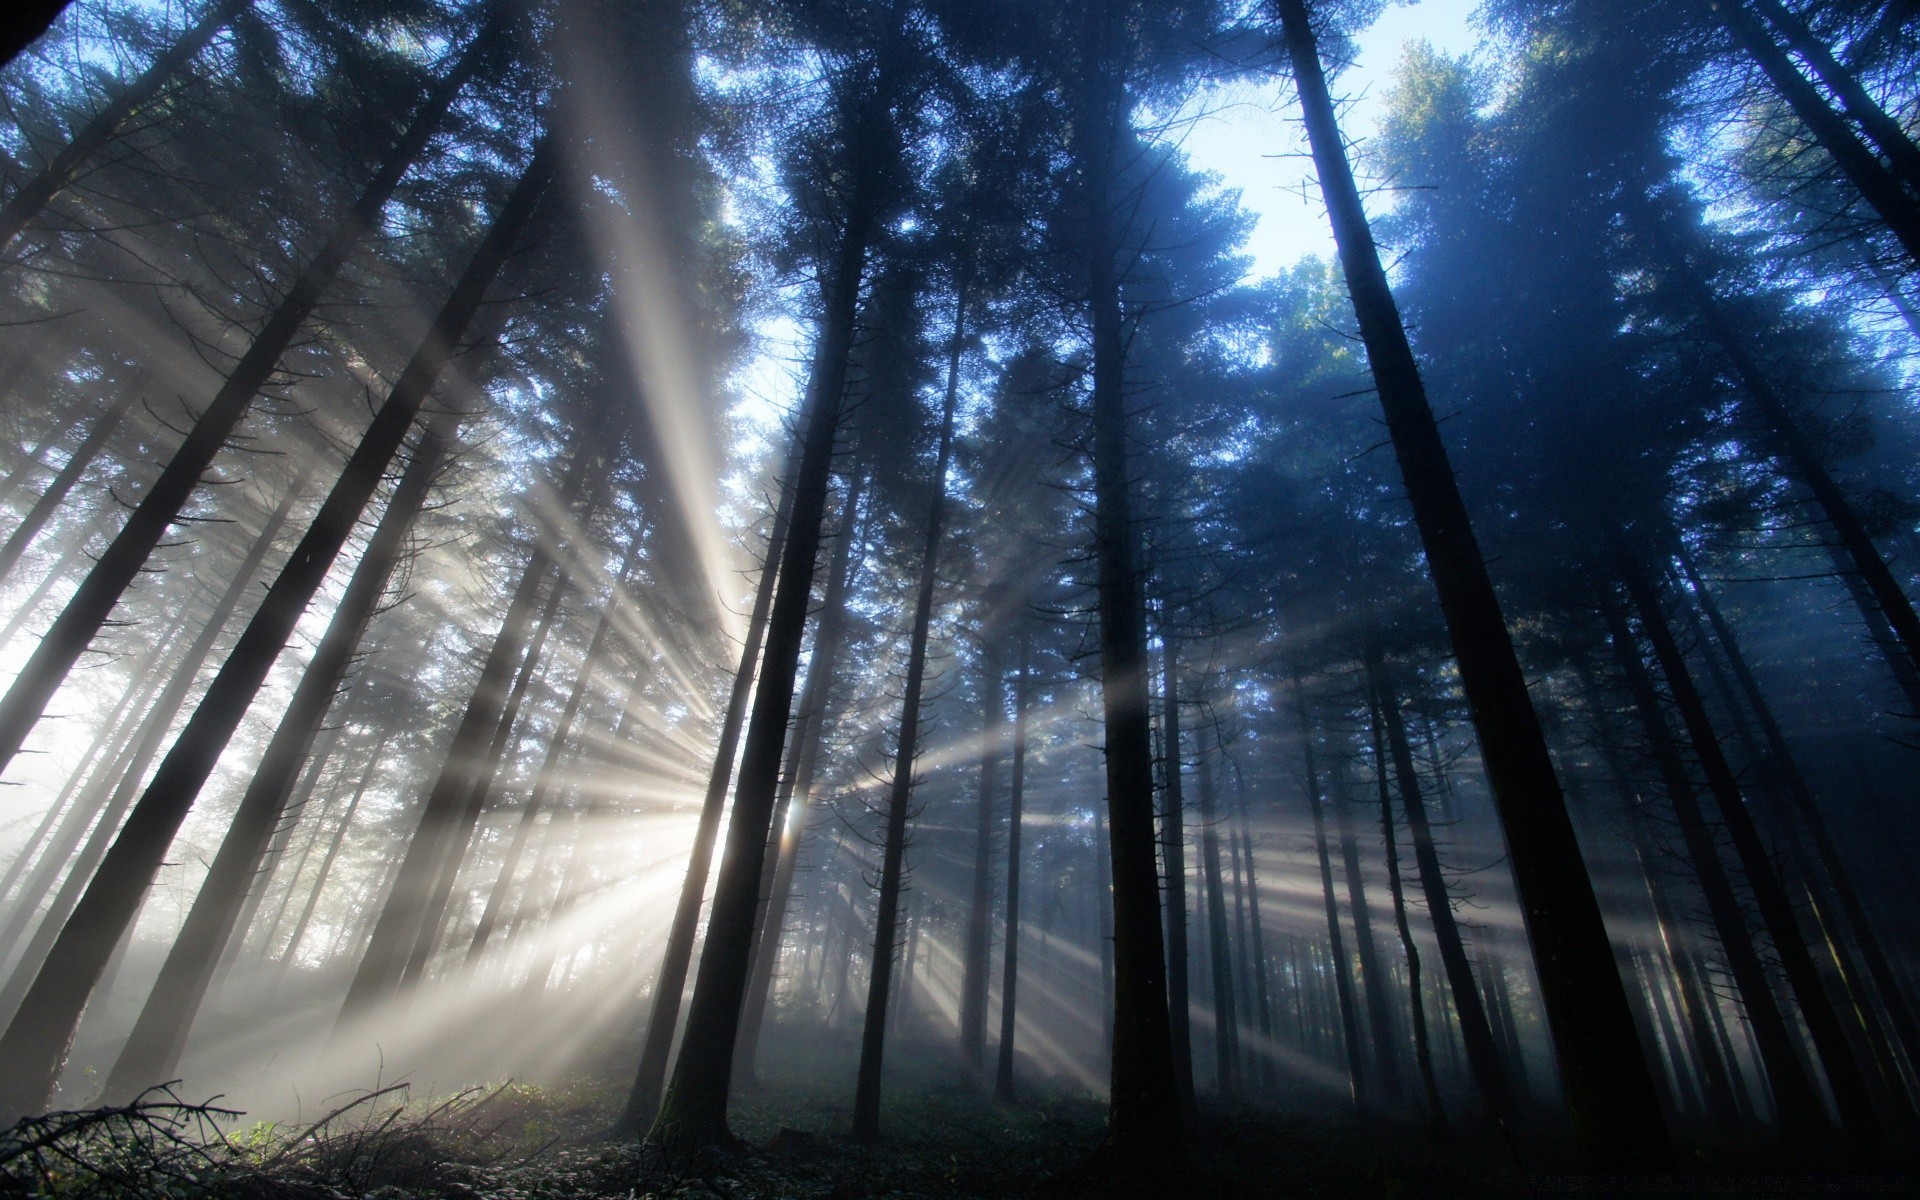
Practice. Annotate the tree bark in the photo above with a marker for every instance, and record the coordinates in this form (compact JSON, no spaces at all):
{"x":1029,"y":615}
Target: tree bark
{"x":866,"y":1097}
{"x":56,"y":491}
{"x":1609,"y":1090}
{"x":977,"y":958}
{"x":1226,"y":1017}
{"x":1003,"y":1086}
{"x":34,"y":194}
{"x":1373,"y":979}
{"x":694,"y":1108}
{"x":1336,"y":942}
{"x":1844,"y":1076}
{"x":121,"y":562}
{"x":1476,"y":1033}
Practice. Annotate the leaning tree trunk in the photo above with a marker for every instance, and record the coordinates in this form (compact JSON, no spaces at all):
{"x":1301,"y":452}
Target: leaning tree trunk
{"x":550,"y":765}
{"x":325,"y":870}
{"x":1844,"y":1076}
{"x":796,"y":786}
{"x":1422,"y":1046}
{"x":124,"y":558}
{"x":1795,"y":1104}
{"x":1349,"y":1018}
{"x":694,"y":1108}
{"x":1609,"y":1089}
{"x":1483,"y":1054}
{"x":1010,"y":948}
{"x":1880,"y":187}
{"x":35,"y":193}
{"x":36,"y":1042}
{"x":56,"y":491}
{"x":122,"y":784}
{"x":1886,"y":133}
{"x":866,"y":1097}
{"x":1891,"y":997}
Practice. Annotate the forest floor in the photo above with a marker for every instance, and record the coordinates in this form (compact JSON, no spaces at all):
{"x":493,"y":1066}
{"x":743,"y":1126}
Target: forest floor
{"x":940,"y":1140}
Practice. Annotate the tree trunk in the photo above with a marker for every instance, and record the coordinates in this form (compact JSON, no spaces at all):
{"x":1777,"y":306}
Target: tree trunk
{"x":72,"y":968}
{"x":1422,"y":1048}
{"x":797,"y":786}
{"x":1226,"y":1022}
{"x":1844,"y":1075}
{"x":1476,"y":1033}
{"x":1003,"y":1088}
{"x":338,"y":840}
{"x":694,"y":1108}
{"x":1876,"y":184}
{"x":1887,"y":134}
{"x":550,"y":765}
{"x":1262,"y":998}
{"x":35,"y":193}
{"x":1373,"y":979}
{"x":56,"y":492}
{"x":977,"y":958}
{"x":1173,"y":854}
{"x":866,"y":1097}
{"x":1610,"y":1092}
{"x":1795,"y":1104}
{"x":123,"y":559}
{"x":1336,"y":942}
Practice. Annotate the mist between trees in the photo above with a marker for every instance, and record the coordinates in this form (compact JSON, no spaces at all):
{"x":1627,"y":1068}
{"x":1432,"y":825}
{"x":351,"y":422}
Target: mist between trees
{"x":702,"y":550}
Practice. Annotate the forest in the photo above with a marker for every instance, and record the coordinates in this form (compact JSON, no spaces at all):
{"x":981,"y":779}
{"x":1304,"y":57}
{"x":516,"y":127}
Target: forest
{"x":820,"y":598}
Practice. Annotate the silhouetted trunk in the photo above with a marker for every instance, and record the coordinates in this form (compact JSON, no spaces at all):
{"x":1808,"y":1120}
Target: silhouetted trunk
{"x":1610,"y":1092}
{"x":56,"y":491}
{"x":866,"y":1097}
{"x":1797,"y":1108}
{"x":123,"y":559}
{"x":433,"y":911}
{"x":1373,"y":979}
{"x":1173,"y":857}
{"x":977,"y":957}
{"x":1886,"y":133}
{"x":643,"y":1099}
{"x":394,"y":930}
{"x":1880,"y":187}
{"x":1149,"y":1094}
{"x":36,"y":192}
{"x":53,"y":1013}
{"x":1889,"y":995}
{"x":1103,"y":902}
{"x":1226,"y":1018}
{"x":1476,"y":1033}
{"x":1844,"y":1076}
{"x":50,"y":997}
{"x":550,"y":764}
{"x":1422,"y":1047}
{"x":1268,"y":1067}
{"x":695,"y":1105}
{"x":338,"y":839}
{"x":1336,"y":941}
{"x":1003,"y":1088}
{"x":796,"y":786}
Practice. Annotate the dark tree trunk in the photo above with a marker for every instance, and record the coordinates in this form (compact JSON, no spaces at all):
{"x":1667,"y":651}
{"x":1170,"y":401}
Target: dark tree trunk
{"x":1889,"y":995}
{"x":1610,"y":1092}
{"x":796,"y":787}
{"x":1003,"y":1088}
{"x":1879,"y":186}
{"x":1373,"y":979}
{"x":51,"y":1011}
{"x":1476,"y":1033}
{"x":1226,"y":1018}
{"x":35,"y":193}
{"x":56,"y":492}
{"x":1103,"y":884}
{"x":1173,"y":857}
{"x":1796,"y":1106}
{"x":1844,"y":1076}
{"x":1268,"y":1067}
{"x":1149,"y":1094}
{"x":123,"y":559}
{"x":1422,"y":1047}
{"x":550,"y":765}
{"x":643,"y":1099}
{"x":694,"y":1108}
{"x":977,"y":958}
{"x":433,"y":911}
{"x":1886,"y":133}
{"x":1336,"y":942}
{"x":325,"y":870}
{"x":866,"y":1097}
